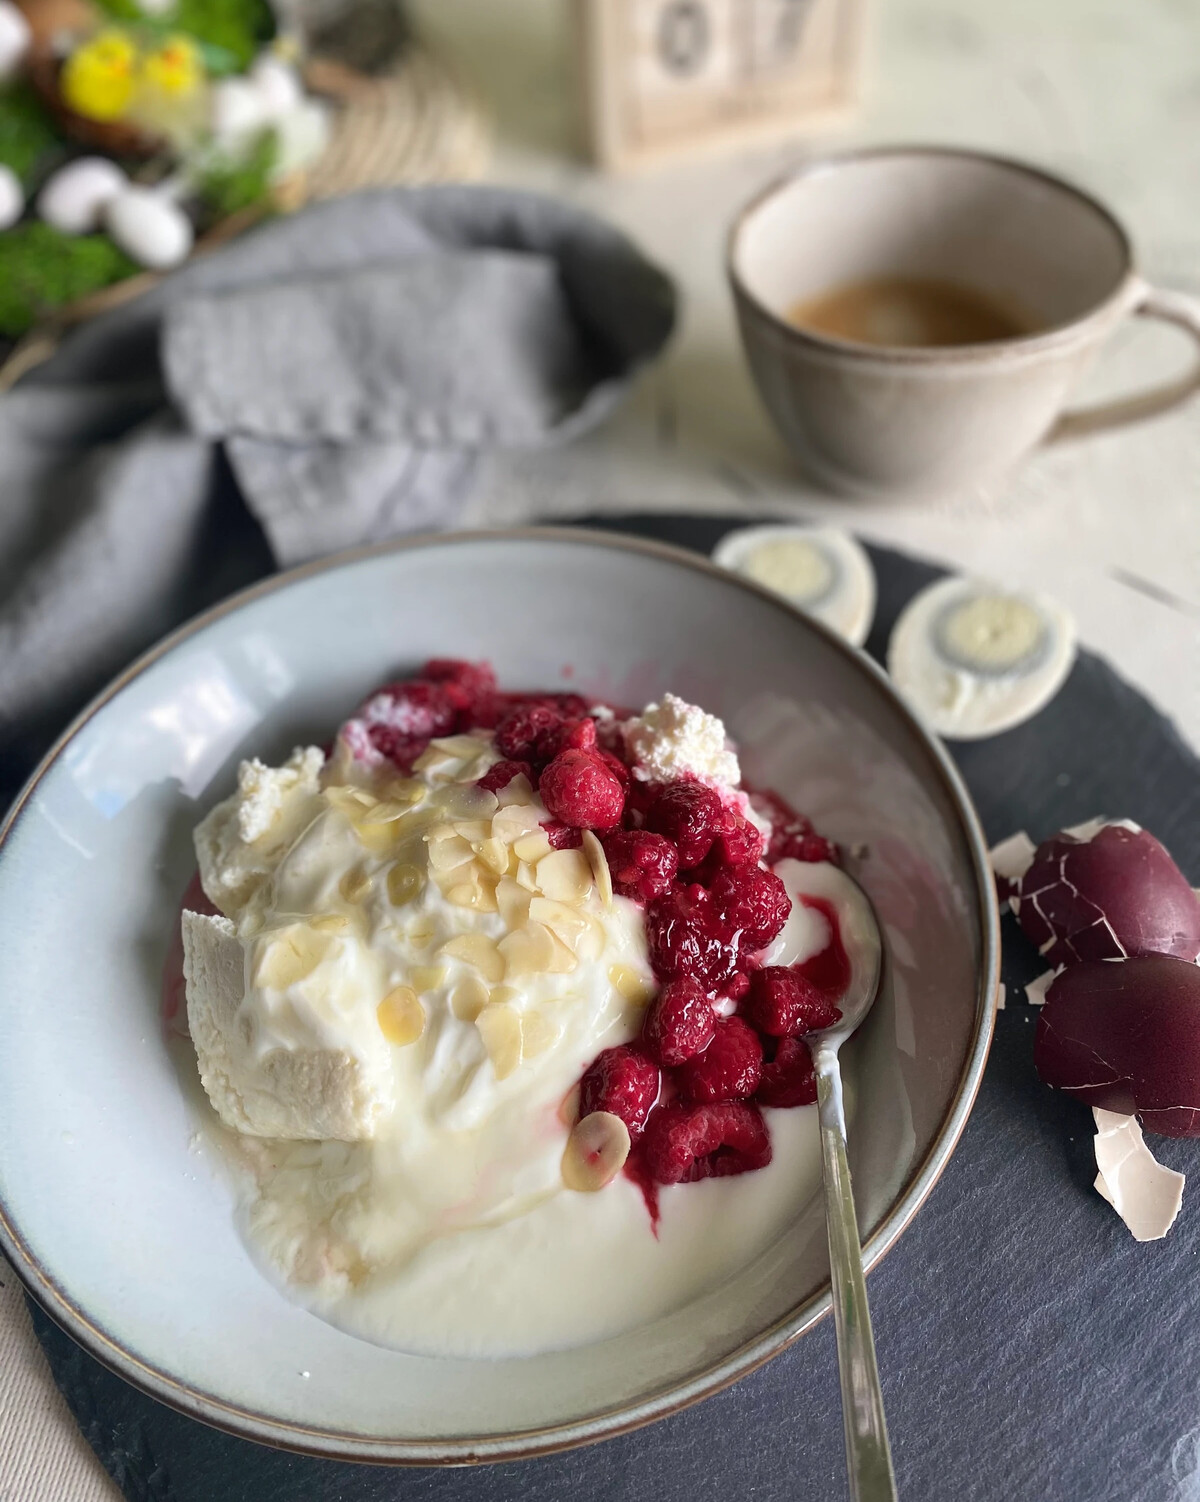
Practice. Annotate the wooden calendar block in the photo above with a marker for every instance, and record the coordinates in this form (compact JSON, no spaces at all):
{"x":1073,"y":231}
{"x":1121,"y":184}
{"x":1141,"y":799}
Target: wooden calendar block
{"x":669,"y":76}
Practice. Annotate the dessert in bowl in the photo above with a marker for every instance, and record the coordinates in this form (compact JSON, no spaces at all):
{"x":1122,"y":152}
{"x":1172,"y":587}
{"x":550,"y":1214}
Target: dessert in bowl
{"x":454,"y":1366}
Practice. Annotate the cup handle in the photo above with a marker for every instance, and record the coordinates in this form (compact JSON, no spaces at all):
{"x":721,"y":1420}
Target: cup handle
{"x":1178,"y":308}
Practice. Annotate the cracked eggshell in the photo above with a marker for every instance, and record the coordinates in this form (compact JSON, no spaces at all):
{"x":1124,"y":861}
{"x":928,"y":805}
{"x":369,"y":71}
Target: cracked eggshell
{"x":12,"y":197}
{"x":824,"y":572}
{"x":74,"y":198}
{"x":15,"y":39}
{"x":1125,"y":1036}
{"x":1144,"y":1192}
{"x":1105,"y":890}
{"x":973,"y":659}
{"x":149,"y":228}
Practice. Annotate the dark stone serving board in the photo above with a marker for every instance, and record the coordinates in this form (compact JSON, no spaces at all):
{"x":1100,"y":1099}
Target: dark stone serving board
{"x":1029,"y":1348}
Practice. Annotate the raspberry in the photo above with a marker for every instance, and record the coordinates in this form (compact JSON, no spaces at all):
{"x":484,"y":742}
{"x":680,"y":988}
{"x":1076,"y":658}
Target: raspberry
{"x":753,"y":903}
{"x":502,"y":773}
{"x":680,"y":1023}
{"x":788,"y":1079}
{"x":686,"y":1143}
{"x":615,"y":765}
{"x":570,"y":735}
{"x":570,"y":706}
{"x":743,"y":845}
{"x":785,"y":1004}
{"x":624,"y":1081}
{"x":411,"y":711}
{"x":792,"y":835}
{"x":562,"y":836}
{"x":728,"y":1069}
{"x":738,"y":986}
{"x":519,"y":727}
{"x":642,"y":865}
{"x":691,"y":816}
{"x":581,"y":791}
{"x":470,"y":687}
{"x":686,"y":937}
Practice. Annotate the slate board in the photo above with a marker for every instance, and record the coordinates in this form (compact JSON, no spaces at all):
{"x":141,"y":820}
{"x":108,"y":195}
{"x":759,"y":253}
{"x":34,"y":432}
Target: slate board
{"x":1029,"y":1348}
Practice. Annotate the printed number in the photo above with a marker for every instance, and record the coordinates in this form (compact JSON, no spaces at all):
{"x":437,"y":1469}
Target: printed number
{"x":684,"y":35}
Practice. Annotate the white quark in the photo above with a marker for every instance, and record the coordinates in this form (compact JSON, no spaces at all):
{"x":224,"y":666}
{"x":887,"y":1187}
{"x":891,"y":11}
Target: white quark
{"x":674,"y":739}
{"x":390,"y":1014}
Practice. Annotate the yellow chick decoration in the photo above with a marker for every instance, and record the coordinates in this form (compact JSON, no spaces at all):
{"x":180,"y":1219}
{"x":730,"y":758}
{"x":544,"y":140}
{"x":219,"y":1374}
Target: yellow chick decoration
{"x":98,"y":79}
{"x":174,"y":68}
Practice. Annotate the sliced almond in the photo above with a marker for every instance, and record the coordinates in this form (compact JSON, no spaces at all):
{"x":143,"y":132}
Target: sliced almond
{"x":356,"y":883}
{"x":565,"y":875}
{"x":500,"y":1029}
{"x":564,"y":961}
{"x":427,"y":977}
{"x":517,"y":789}
{"x":468,"y":802}
{"x":531,"y":950}
{"x":471,"y":887}
{"x":494,"y":855}
{"x":447,"y":852}
{"x":526,"y":876}
{"x":288,"y":957}
{"x":473,"y":830}
{"x":477,"y":950}
{"x":590,"y":944}
{"x":538,"y":1034}
{"x":407,"y":790}
{"x":514,"y":821}
{"x":564,"y":921}
{"x":350,"y":801}
{"x":401,"y":1016}
{"x":533,"y":847}
{"x":595,"y":1153}
{"x":462,"y":747}
{"x":631,"y":984}
{"x":468,"y":998}
{"x":387,"y":811}
{"x":513,"y":902}
{"x":501,"y":994}
{"x":420,"y":931}
{"x":568,"y":1111}
{"x":330,"y":923}
{"x":598,"y":861}
{"x":472,"y":771}
{"x":404,"y":883}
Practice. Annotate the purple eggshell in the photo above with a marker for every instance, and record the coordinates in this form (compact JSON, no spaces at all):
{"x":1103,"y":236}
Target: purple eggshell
{"x":1118,"y":893}
{"x":1125,"y":1035}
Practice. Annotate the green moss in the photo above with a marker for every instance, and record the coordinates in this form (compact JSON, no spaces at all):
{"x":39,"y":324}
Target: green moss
{"x":27,"y":133}
{"x":230,"y":32}
{"x":42,"y":269}
{"x":229,"y":187}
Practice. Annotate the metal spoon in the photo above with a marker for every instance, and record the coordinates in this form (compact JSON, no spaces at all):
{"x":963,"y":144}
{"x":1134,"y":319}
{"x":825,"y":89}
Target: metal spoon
{"x":868,"y":1456}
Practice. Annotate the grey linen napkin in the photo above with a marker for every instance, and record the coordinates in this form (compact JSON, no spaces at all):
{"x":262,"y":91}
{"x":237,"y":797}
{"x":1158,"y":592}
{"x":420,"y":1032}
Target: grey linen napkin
{"x":341,"y":370}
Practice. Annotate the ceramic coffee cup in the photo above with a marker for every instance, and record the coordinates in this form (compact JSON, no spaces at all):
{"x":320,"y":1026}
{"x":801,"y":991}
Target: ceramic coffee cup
{"x":876,"y":420}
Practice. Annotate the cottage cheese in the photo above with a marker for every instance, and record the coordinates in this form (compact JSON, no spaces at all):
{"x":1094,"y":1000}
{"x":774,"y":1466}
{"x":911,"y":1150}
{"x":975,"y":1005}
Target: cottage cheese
{"x":673,"y":739}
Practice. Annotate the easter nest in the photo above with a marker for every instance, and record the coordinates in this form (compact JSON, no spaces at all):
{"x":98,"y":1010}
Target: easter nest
{"x":413,"y":123}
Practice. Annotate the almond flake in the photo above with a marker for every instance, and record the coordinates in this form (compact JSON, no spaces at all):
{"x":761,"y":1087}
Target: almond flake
{"x":500,"y":1029}
{"x":355,"y":884}
{"x":474,"y":830}
{"x":598,"y":861}
{"x":468,"y":998}
{"x":595,"y":1153}
{"x":568,"y":1111}
{"x":288,"y":958}
{"x":420,"y":932}
{"x":631,"y":984}
{"x":427,"y":977}
{"x":408,"y":790}
{"x":471,"y":887}
{"x":462,"y":747}
{"x":528,"y":951}
{"x":386,"y":812}
{"x":329,"y":923}
{"x":447,"y":853}
{"x":477,"y":950}
{"x":472,"y":771}
{"x":514,"y":821}
{"x":518,"y":789}
{"x":494,"y":855}
{"x":401,"y":1016}
{"x":565,"y":922}
{"x":590,"y":943}
{"x":533,"y":847}
{"x":513,"y":902}
{"x":468,"y":802}
{"x":403,"y":884}
{"x":526,"y":876}
{"x":565,"y":875}
{"x":501,"y":994}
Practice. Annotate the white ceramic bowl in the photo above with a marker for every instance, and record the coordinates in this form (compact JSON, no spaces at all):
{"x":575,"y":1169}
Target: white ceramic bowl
{"x":125,"y":1233}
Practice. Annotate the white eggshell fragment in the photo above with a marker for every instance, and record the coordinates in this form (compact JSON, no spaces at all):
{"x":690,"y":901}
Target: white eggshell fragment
{"x":1144,"y":1193}
{"x":149,"y":228}
{"x":15,"y":37}
{"x":12,"y":197}
{"x":277,"y":85}
{"x":822,"y":571}
{"x":74,"y":198}
{"x":973,"y":658}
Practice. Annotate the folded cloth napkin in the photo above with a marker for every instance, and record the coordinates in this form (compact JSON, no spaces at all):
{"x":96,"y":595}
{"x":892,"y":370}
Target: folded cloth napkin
{"x":340,"y":370}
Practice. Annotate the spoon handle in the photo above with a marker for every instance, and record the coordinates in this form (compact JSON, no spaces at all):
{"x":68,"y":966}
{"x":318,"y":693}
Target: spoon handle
{"x":868,"y":1458}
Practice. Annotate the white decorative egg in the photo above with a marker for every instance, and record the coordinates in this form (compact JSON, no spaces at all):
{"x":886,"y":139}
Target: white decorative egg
{"x":12,"y":197}
{"x":73,"y":198}
{"x":14,"y":39}
{"x":277,"y":85}
{"x":149,"y":228}
{"x":237,"y":111}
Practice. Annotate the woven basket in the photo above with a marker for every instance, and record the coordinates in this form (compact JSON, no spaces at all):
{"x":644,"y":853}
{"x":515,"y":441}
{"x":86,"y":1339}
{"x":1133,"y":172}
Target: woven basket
{"x":413,"y":124}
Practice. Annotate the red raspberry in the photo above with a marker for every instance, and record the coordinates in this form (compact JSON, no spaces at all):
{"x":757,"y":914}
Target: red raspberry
{"x":680,"y":1023}
{"x":470,"y":686}
{"x":642,"y":865}
{"x":784,"y":1003}
{"x":570,"y":735}
{"x":686,"y":937}
{"x":518,"y":729}
{"x":581,"y":791}
{"x":788,"y":1079}
{"x":562,"y":836}
{"x":753,"y":903}
{"x":501,"y":773}
{"x":615,"y":765}
{"x":686,"y":1143}
{"x":792,"y":835}
{"x":738,"y":986}
{"x":570,"y":706}
{"x":624,"y":1082}
{"x":743,"y":845}
{"x":411,"y":711}
{"x":728,"y":1069}
{"x":691,"y":816}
